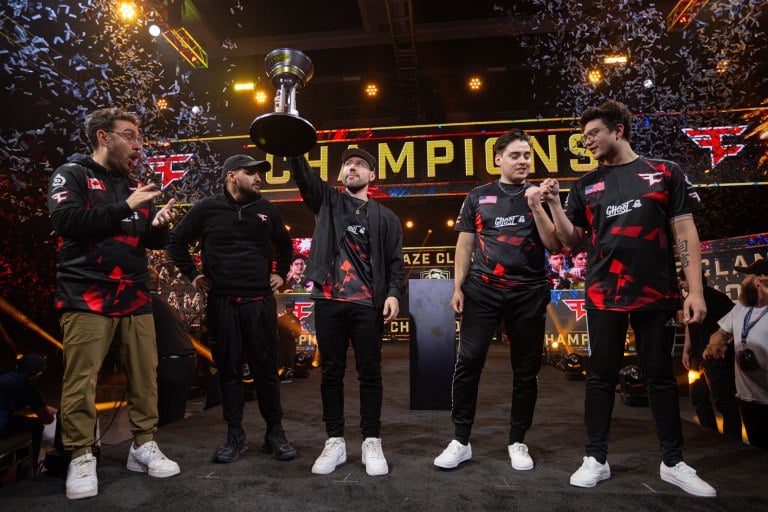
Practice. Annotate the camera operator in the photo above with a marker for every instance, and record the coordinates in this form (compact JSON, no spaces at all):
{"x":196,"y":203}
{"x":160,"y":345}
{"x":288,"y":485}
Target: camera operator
{"x":747,"y":327}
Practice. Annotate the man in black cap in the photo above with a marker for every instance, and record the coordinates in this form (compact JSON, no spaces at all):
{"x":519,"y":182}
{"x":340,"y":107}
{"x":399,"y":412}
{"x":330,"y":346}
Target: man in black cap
{"x":237,"y":230}
{"x":18,"y":392}
{"x":746,"y":327}
{"x":356,"y":263}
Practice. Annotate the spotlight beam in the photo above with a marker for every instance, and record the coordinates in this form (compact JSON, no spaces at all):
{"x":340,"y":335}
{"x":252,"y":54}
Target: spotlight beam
{"x":24,"y":320}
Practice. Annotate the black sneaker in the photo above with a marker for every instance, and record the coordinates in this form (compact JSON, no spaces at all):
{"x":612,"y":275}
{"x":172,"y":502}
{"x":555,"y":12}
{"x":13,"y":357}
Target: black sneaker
{"x":276,"y":444}
{"x":232,"y":447}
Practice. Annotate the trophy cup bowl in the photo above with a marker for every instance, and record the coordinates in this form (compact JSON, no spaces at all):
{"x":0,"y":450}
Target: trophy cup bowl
{"x":283,"y":132}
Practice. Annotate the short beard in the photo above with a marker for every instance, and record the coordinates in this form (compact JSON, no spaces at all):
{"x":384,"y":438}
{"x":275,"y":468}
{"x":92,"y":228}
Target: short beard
{"x":355,"y":189}
{"x":748,"y":296}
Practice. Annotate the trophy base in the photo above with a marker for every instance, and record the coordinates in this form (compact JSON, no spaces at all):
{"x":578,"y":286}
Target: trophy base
{"x":283,"y":134}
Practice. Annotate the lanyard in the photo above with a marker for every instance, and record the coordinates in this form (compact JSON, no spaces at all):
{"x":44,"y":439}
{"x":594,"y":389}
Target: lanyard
{"x":747,"y":325}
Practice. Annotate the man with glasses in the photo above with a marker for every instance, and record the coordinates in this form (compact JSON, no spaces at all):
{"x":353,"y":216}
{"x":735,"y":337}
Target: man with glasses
{"x":105,"y":220}
{"x":633,"y":208}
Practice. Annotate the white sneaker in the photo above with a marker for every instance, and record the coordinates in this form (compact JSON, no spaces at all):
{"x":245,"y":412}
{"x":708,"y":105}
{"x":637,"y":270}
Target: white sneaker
{"x":148,"y":458}
{"x":453,"y":455}
{"x":373,"y":457}
{"x":333,"y":455}
{"x":590,"y":473}
{"x":684,"y":476}
{"x":81,"y":477}
{"x":518,"y":455}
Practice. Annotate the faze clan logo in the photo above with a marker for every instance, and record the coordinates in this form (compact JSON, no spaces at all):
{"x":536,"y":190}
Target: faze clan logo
{"x":577,"y":306}
{"x":164,"y":165}
{"x":302,"y":310}
{"x":712,"y":139}
{"x":652,"y":178}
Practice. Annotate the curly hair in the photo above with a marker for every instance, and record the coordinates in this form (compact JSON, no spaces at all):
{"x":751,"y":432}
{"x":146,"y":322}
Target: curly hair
{"x":104,"y":119}
{"x":612,"y":113}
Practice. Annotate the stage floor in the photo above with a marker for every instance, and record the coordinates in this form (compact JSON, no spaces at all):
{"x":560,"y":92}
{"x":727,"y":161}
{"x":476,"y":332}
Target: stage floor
{"x":411,"y":440}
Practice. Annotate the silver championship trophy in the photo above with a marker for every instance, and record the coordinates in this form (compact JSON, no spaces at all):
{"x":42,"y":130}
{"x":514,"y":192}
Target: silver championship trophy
{"x":283,"y":132}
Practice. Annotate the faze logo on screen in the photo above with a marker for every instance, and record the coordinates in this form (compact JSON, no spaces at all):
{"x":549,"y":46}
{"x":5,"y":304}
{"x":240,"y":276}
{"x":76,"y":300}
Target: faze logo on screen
{"x":166,"y":166}
{"x":302,"y":310}
{"x":577,"y":306}
{"x":712,"y":139}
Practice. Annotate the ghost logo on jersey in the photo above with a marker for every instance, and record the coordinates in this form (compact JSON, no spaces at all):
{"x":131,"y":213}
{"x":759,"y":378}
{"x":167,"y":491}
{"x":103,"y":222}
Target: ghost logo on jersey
{"x":620,"y":209}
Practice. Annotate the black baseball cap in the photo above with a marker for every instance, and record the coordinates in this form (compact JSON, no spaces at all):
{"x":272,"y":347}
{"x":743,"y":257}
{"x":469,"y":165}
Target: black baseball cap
{"x":236,"y":162}
{"x":361,"y":153}
{"x":31,"y":363}
{"x":759,"y":268}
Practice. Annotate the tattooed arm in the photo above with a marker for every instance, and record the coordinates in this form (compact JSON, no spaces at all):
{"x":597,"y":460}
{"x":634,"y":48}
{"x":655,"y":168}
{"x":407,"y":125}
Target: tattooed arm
{"x":689,"y":253}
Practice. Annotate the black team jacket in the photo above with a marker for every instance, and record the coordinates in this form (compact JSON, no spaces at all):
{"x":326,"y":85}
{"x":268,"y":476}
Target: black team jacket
{"x":236,"y":242}
{"x":332,"y":216}
{"x":102,"y":243}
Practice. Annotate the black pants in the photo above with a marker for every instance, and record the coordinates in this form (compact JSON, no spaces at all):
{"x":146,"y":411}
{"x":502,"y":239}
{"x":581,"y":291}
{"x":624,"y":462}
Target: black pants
{"x":755,"y":416}
{"x":654,"y":340}
{"x":523,"y":311}
{"x":246,"y":332}
{"x":174,"y":379}
{"x":337,"y":323}
{"x":717,"y":387}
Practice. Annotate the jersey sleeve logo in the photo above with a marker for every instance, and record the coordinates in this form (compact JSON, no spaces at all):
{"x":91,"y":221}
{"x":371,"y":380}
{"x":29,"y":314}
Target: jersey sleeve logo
{"x":60,"y":196}
{"x":595,"y":187}
{"x":96,"y":184}
{"x":59,"y":181}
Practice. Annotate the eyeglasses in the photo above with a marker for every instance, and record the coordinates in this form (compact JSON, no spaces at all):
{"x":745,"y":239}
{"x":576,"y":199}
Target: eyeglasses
{"x":130,"y":137}
{"x":592,"y":134}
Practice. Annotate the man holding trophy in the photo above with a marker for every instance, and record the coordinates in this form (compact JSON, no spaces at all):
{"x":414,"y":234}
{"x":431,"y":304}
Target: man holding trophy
{"x":356,"y":263}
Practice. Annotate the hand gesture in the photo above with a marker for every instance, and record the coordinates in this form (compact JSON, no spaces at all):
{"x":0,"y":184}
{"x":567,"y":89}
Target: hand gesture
{"x":142,"y":196}
{"x":165,"y":216}
{"x":534,"y":198}
{"x":550,"y":190}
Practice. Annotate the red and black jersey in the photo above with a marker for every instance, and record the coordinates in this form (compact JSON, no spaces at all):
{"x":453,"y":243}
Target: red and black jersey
{"x":102,"y":258}
{"x":350,"y":276}
{"x":626,"y":210}
{"x":508,"y":249}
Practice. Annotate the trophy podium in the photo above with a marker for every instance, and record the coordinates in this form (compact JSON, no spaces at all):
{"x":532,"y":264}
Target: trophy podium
{"x":283,"y":132}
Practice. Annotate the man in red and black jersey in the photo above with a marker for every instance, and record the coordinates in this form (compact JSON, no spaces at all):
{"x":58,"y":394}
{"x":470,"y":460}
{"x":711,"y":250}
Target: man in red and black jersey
{"x":356,"y":263}
{"x":505,"y":225}
{"x":238,"y":230}
{"x":631,"y":210}
{"x":105,"y":221}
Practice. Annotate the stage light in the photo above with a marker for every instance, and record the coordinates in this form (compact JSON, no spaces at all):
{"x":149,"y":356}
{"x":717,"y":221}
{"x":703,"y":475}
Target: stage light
{"x":196,"y":110}
{"x":555,"y":345}
{"x":154,"y":30}
{"x":244,"y":86}
{"x":475,"y":83}
{"x":127,"y":11}
{"x":647,"y":83}
{"x":260,"y":97}
{"x":409,"y":224}
{"x":371,"y":90}
{"x":693,"y":376}
{"x":616,"y":59}
{"x":632,"y":390}
{"x":722,"y":65}
{"x":594,"y":76}
{"x":287,"y":227}
{"x":683,"y":13}
{"x":450,"y":223}
{"x":162,"y":104}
